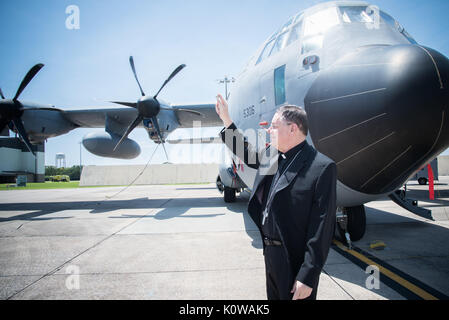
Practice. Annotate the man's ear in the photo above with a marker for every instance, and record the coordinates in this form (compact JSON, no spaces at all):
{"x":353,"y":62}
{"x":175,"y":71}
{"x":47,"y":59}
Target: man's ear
{"x":294,"y":127}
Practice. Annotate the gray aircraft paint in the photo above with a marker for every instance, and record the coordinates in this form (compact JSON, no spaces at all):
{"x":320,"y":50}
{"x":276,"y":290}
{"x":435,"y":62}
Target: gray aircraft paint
{"x":254,"y":91}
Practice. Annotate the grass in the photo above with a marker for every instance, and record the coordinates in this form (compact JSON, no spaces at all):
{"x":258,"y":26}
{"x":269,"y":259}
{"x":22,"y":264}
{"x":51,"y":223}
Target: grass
{"x":43,"y":185}
{"x":61,"y":185}
{"x":46,"y":185}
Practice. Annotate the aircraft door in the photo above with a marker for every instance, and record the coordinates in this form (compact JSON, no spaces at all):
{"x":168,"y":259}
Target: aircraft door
{"x":266,"y":92}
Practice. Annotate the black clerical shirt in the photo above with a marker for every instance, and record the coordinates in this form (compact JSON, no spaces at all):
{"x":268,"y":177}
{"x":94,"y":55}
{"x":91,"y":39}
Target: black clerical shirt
{"x":268,"y":228}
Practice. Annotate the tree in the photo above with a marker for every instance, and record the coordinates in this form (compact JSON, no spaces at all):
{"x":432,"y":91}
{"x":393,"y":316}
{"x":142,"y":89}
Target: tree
{"x":74,"y":172}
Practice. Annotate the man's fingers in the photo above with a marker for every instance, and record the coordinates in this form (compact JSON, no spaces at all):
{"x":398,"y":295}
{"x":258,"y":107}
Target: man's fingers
{"x":219,"y":101}
{"x":296,"y":295}
{"x":300,"y":291}
{"x":220,"y":98}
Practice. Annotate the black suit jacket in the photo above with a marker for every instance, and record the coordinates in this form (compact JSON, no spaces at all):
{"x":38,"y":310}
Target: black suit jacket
{"x":303,"y":205}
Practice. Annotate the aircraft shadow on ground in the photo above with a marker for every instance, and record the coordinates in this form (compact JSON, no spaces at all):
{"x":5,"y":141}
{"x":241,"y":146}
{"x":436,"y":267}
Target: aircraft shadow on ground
{"x":170,"y":208}
{"x":98,"y":207}
{"x":417,"y":243}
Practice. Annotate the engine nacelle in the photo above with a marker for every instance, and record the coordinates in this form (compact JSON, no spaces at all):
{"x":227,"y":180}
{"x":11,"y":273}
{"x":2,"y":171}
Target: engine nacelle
{"x":41,"y":124}
{"x":103,"y":143}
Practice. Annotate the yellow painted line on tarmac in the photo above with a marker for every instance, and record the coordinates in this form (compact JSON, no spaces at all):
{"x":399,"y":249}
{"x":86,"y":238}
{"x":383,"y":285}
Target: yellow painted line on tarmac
{"x":400,"y":280}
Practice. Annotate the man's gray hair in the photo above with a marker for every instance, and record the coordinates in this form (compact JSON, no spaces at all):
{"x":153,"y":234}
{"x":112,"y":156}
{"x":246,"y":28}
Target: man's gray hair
{"x":295,"y":115}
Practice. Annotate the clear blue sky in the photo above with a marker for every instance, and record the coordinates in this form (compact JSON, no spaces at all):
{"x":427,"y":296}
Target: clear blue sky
{"x":85,"y":67}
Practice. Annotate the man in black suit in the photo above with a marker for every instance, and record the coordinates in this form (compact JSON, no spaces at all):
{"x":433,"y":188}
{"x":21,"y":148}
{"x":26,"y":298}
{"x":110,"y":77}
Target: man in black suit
{"x":293,"y":201}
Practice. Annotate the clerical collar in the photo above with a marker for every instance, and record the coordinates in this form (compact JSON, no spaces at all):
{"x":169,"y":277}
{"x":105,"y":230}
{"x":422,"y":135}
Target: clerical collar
{"x":290,"y":153}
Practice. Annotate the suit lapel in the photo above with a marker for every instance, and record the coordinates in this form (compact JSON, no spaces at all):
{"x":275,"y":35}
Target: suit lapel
{"x":294,"y":169}
{"x":267,"y":170}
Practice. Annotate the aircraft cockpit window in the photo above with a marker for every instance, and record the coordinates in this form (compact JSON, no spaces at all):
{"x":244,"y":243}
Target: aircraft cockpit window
{"x":266,"y":51}
{"x":298,"y":17}
{"x":321,"y":21}
{"x":295,"y":34}
{"x":395,"y":25}
{"x":352,"y":14}
{"x":280,"y":43}
{"x":286,"y":25}
{"x":273,"y":36}
{"x":409,"y":37}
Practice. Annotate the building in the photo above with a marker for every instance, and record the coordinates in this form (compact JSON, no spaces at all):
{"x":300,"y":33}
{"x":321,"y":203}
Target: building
{"x":15,"y":160}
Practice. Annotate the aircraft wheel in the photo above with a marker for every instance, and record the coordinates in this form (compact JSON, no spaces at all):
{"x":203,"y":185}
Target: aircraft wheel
{"x":356,"y":223}
{"x":229,"y":194}
{"x":422,"y":181}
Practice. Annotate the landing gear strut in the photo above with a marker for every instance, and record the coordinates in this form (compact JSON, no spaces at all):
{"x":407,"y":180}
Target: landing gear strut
{"x":351,"y":223}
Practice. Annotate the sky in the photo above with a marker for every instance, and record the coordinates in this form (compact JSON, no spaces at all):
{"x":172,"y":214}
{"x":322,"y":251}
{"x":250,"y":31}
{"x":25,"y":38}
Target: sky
{"x":86,"y":67}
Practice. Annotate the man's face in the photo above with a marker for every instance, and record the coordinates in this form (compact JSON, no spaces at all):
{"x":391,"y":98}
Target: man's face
{"x":280,"y":133}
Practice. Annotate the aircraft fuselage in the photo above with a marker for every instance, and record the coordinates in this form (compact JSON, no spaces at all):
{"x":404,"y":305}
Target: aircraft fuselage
{"x":376,"y":100}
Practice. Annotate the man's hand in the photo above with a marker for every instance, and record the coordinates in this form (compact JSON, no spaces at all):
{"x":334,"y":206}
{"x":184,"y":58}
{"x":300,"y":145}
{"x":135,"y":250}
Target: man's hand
{"x":300,"y":291}
{"x":221,"y":107}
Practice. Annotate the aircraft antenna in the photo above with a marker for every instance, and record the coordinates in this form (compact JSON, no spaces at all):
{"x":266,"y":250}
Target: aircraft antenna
{"x":226,"y":80}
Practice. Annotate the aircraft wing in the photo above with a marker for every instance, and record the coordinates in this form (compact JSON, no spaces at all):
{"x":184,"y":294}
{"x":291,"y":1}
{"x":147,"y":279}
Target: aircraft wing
{"x":208,"y":117}
{"x":208,"y":140}
{"x":96,"y":118}
{"x":185,"y":114}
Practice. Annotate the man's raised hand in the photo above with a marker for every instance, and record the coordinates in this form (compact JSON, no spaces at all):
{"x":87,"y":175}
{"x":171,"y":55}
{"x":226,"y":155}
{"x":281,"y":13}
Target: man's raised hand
{"x":221,"y":107}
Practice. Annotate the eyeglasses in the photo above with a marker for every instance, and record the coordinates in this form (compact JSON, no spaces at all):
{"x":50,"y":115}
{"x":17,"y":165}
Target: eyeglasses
{"x":277,"y":125}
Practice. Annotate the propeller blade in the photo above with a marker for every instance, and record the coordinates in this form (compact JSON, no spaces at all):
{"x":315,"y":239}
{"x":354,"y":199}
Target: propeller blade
{"x":131,"y":62}
{"x":23,"y":134}
{"x":128,"y":131}
{"x":158,"y":131}
{"x":1,"y":94}
{"x":29,"y":76}
{"x":128,"y":104}
{"x":174,"y":73}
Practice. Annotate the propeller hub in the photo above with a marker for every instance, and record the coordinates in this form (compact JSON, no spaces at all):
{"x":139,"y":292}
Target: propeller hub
{"x":10,"y":109}
{"x":148,"y":107}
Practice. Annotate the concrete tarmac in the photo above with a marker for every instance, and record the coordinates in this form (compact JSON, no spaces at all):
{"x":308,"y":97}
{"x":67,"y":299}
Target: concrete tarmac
{"x":184,"y":242}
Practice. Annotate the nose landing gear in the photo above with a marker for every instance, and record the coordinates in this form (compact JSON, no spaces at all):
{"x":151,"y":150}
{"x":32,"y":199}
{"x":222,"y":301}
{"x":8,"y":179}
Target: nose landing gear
{"x":351,"y":223}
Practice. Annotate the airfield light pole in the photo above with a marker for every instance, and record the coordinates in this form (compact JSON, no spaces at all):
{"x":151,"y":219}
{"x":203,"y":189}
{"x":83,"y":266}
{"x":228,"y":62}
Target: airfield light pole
{"x":80,"y":157}
{"x":226,"y":80}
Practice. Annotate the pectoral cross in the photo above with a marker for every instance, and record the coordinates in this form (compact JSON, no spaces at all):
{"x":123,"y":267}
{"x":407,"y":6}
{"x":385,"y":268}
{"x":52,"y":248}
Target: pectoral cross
{"x":265,"y":215}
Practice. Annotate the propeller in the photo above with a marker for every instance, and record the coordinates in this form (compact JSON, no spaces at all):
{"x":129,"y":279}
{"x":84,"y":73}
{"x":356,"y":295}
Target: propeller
{"x":29,"y":76}
{"x":131,"y":62}
{"x":11,"y":111}
{"x":148,"y":107}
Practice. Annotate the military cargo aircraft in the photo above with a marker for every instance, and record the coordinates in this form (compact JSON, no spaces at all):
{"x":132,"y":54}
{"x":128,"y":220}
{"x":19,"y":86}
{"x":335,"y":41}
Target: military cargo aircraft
{"x":376,"y":101}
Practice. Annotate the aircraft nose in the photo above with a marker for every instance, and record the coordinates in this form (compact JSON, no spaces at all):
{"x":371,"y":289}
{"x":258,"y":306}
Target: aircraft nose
{"x":381,"y":113}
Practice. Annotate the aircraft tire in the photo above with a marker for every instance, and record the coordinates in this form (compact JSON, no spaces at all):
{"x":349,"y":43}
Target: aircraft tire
{"x":229,"y":195}
{"x":356,"y":223}
{"x":422,"y":181}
